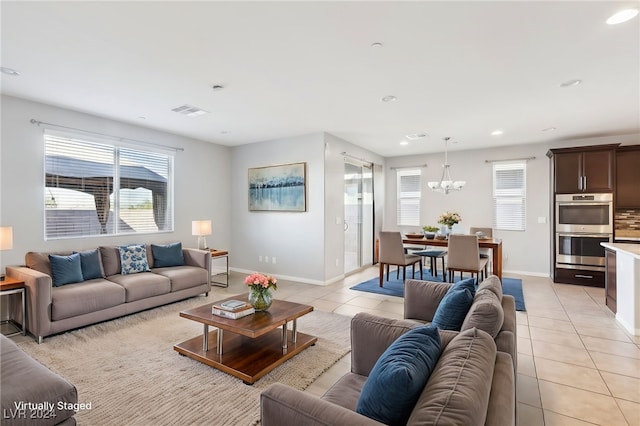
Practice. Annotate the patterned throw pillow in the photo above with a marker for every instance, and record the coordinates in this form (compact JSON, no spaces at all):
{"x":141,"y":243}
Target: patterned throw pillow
{"x":133,"y":259}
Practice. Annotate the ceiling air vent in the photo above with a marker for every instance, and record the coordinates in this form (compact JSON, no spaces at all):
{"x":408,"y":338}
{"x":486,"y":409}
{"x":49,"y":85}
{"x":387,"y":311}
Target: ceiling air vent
{"x":416,"y":136}
{"x":189,"y":110}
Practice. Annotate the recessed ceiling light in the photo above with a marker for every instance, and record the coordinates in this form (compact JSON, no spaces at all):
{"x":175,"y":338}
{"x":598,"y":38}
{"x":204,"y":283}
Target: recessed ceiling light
{"x":377,"y":45}
{"x":622,"y":16}
{"x":497,"y":133}
{"x":570,"y":83}
{"x":9,"y":71}
{"x":404,"y":143}
{"x":549,"y":129}
{"x":389,"y":98}
{"x":142,"y":117}
{"x":217,"y":87}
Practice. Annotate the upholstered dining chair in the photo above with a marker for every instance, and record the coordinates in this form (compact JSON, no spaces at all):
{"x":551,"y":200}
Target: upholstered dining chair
{"x":392,"y":253}
{"x":484,"y":252}
{"x":464,"y":256}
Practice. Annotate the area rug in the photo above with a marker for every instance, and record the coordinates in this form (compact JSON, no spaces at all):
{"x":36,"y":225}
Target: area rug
{"x":128,"y":371}
{"x":395,"y":287}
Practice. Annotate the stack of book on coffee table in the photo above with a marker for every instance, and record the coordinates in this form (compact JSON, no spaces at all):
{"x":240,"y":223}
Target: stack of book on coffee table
{"x":232,"y":309}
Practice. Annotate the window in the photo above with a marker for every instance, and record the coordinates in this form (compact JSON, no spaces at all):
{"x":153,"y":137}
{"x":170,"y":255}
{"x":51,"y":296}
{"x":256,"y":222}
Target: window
{"x":95,"y":188}
{"x":509,"y":196}
{"x":408,"y":191}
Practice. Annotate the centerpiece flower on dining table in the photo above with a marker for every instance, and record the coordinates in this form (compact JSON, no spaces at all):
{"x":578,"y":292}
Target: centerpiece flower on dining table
{"x":449,"y":219}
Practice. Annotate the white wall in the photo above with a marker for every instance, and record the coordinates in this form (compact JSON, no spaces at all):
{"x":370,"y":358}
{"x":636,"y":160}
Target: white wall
{"x":296,"y":239}
{"x":525,"y":252}
{"x":202,"y":188}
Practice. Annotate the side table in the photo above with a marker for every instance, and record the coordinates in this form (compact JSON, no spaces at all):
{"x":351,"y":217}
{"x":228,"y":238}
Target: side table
{"x":11,"y":286}
{"x":218,"y":254}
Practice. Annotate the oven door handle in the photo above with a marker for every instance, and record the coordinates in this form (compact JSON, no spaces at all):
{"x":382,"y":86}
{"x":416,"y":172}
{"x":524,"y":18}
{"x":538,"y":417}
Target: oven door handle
{"x":564,"y":234}
{"x":583,"y":203}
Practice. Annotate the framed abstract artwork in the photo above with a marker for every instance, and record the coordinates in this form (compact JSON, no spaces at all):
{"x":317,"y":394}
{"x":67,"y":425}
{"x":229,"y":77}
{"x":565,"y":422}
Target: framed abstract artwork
{"x":278,"y":188}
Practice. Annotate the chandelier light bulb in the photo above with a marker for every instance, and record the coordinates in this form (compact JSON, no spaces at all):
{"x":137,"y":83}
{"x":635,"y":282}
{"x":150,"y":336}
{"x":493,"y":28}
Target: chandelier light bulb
{"x":446,"y":184}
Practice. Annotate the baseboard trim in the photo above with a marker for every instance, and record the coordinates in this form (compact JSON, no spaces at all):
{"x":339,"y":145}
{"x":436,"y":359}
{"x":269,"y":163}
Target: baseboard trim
{"x":288,"y":277}
{"x":533,"y":274}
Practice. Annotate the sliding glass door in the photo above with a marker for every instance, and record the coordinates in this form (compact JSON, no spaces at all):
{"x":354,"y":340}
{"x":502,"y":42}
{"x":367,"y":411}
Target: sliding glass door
{"x":358,"y":215}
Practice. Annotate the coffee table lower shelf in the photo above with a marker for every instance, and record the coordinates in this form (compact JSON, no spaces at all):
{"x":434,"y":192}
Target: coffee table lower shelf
{"x":246,"y":358}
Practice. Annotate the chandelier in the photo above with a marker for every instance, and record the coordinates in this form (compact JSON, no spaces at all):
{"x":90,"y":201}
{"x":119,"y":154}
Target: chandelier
{"x":446,"y":184}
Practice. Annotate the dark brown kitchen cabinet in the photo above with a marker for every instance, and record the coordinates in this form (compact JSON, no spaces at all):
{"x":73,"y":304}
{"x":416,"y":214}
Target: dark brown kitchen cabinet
{"x":610,"y":280}
{"x":628,"y":177}
{"x":584,"y":169}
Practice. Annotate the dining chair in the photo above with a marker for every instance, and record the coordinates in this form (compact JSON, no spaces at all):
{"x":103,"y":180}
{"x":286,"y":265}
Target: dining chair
{"x":434,"y":255}
{"x":464,"y":256}
{"x":391,"y":252}
{"x":484,"y":252}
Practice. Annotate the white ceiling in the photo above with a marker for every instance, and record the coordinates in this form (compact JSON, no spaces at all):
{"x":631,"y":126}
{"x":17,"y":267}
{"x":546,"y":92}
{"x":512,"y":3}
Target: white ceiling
{"x":459,"y":69}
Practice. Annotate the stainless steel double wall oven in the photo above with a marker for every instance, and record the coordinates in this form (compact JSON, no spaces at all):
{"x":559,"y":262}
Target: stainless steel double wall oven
{"x":583,"y":221}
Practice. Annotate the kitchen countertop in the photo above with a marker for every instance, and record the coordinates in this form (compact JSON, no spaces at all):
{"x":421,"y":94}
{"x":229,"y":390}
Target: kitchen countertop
{"x":632,"y":249}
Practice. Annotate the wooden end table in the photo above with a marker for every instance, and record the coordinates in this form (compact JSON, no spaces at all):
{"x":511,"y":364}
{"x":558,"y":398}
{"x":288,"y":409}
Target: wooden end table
{"x":10,"y":286}
{"x":218,"y":254}
{"x":254,"y":345}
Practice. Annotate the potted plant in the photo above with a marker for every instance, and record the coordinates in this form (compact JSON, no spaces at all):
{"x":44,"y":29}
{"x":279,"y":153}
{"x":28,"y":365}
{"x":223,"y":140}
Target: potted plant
{"x":430,"y":231}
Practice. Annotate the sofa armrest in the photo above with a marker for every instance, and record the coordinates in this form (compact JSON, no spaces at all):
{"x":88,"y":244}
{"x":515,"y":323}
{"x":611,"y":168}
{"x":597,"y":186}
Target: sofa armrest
{"x":421,"y":298}
{"x":38,"y":292}
{"x":502,"y":399}
{"x":370,"y":337}
{"x":281,"y":405}
{"x":200,"y":258}
{"x":509,"y":308}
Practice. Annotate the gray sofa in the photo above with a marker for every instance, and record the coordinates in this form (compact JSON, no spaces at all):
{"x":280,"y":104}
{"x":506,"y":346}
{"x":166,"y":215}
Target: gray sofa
{"x":52,"y":309}
{"x":472,"y":383}
{"x":491,"y":310}
{"x":26,"y":381}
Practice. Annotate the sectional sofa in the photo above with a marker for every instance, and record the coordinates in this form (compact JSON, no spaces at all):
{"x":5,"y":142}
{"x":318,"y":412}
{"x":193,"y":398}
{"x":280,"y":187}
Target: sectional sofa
{"x":109,"y":292}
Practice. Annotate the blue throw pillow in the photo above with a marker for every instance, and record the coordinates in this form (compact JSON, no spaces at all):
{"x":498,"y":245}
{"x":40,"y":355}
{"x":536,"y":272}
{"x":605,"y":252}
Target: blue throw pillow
{"x":91,"y":264}
{"x":66,"y":269}
{"x":399,"y":376}
{"x":133,"y":259}
{"x":454,"y":306}
{"x":168,"y":255}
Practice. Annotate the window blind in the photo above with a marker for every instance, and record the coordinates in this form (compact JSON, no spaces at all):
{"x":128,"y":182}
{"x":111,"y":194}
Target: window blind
{"x":509,"y":196}
{"x":408,"y":197}
{"x":94,"y":188}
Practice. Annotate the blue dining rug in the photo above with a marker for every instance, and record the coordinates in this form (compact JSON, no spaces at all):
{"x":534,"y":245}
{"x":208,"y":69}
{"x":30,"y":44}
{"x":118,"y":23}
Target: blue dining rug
{"x":395,"y":287}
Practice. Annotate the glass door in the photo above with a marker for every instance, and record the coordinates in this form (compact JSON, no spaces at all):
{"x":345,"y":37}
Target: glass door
{"x":358,"y":215}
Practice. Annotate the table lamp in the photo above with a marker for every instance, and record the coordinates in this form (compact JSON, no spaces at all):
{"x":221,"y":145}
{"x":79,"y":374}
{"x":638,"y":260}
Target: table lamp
{"x":6,"y":242}
{"x":201,"y":228}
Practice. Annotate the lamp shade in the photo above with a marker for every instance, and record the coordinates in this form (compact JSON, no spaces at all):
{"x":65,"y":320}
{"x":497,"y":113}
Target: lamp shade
{"x":201,"y":227}
{"x":6,"y":237}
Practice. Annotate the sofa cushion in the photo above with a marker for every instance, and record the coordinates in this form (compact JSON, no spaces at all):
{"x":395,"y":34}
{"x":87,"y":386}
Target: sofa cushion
{"x":167,"y":255}
{"x":399,"y":376}
{"x":346,"y":391}
{"x":486,"y":313}
{"x":133,"y":259}
{"x":183,"y":276}
{"x":454,"y":305}
{"x":457,"y":392}
{"x":91,"y":264}
{"x":492,"y":283}
{"x":66,"y":269}
{"x":39,"y":261}
{"x":90,"y":296}
{"x":142,"y":285}
{"x":26,"y":380}
{"x":110,"y":260}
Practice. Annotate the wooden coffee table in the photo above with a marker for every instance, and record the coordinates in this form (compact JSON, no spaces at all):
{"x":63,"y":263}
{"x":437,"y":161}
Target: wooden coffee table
{"x":254,"y":345}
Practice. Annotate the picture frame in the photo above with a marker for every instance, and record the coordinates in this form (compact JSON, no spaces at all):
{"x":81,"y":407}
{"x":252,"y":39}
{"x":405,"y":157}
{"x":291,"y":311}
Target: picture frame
{"x":280,"y":187}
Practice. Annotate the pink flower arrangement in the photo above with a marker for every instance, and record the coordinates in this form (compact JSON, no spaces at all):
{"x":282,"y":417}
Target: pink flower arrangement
{"x":259,"y":281}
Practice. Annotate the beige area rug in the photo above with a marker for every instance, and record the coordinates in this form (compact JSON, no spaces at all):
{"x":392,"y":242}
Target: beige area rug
{"x":128,"y":371}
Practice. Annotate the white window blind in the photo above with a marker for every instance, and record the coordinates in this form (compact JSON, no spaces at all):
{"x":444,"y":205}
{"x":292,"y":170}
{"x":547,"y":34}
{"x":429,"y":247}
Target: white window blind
{"x":509,"y":196}
{"x":94,"y":188}
{"x":409,"y":194}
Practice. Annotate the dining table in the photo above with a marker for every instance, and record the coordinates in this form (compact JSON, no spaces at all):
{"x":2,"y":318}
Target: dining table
{"x":495,"y":244}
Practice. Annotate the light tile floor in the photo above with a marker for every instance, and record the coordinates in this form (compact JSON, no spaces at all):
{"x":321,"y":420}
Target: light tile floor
{"x":576,"y":365}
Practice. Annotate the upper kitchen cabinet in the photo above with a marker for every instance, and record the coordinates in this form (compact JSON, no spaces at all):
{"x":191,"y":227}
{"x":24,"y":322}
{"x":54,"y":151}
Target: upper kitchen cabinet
{"x":584,"y":169}
{"x":628,"y":177}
